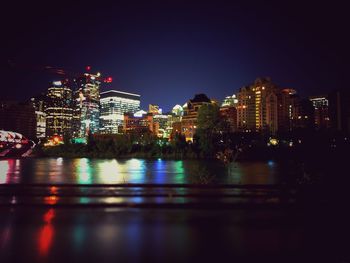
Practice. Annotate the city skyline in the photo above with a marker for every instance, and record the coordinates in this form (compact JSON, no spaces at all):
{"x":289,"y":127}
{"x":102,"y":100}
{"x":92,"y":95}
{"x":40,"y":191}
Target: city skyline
{"x":151,"y":49}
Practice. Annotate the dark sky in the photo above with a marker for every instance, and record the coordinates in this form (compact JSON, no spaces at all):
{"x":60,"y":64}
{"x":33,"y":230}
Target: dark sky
{"x":167,"y":51}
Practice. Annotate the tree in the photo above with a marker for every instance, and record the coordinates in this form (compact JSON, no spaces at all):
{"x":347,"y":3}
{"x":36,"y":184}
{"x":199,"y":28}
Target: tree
{"x":211,"y":129}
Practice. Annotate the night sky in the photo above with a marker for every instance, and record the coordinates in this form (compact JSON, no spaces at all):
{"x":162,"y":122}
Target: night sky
{"x":167,"y":51}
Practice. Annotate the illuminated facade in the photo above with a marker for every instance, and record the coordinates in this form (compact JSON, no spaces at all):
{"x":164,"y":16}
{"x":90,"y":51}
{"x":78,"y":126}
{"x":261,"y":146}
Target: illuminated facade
{"x":189,"y":119}
{"x":164,"y":126}
{"x":59,"y":109}
{"x":230,"y":101}
{"x":263,"y":107}
{"x":154,"y":109}
{"x":86,"y":117}
{"x":114,"y":104}
{"x":39,"y":104}
{"x":320,"y":104}
{"x":140,"y":123}
{"x":246,"y":121}
{"x":177,"y":110}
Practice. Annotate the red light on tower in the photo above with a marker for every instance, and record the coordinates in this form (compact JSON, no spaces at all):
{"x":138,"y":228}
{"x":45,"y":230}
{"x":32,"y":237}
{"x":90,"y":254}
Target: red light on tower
{"x":88,"y":68}
{"x":108,"y":80}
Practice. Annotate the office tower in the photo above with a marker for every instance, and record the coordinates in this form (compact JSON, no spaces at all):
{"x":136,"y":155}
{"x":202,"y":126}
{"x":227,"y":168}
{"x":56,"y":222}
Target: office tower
{"x":320,"y":104}
{"x":86,"y":115}
{"x":59,"y":109}
{"x":39,"y":104}
{"x":114,"y":104}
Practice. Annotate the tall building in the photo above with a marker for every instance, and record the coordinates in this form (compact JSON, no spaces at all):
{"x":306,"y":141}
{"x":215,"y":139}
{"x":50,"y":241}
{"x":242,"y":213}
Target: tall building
{"x":86,"y":116}
{"x":59,"y":109}
{"x":339,"y":110}
{"x":39,"y":104}
{"x":230,"y":101}
{"x":18,"y":117}
{"x":246,"y":121}
{"x":263,"y":107}
{"x":320,"y":104}
{"x":303,"y":114}
{"x":286,"y":112}
{"x":189,"y":119}
{"x":114,"y":104}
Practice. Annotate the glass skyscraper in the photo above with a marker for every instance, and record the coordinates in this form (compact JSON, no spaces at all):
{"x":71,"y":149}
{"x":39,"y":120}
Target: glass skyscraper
{"x":87,"y":105}
{"x":113,"y":106}
{"x":59,"y":109}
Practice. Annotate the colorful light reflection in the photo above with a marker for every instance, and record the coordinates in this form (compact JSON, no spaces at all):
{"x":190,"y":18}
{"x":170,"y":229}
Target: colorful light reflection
{"x":46,"y":233}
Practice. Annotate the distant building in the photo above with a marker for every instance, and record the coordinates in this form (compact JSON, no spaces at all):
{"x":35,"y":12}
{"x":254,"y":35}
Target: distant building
{"x":320,"y":104}
{"x":18,"y":117}
{"x":59,"y":109}
{"x":140,"y":123}
{"x":154,"y":109}
{"x":86,"y":116}
{"x":114,"y":104}
{"x":163,"y":123}
{"x":246,"y":121}
{"x":303,"y":115}
{"x":230,"y":101}
{"x":339,"y":110}
{"x":39,"y":104}
{"x":264,"y":107}
{"x":178,"y":110}
{"x":189,"y":119}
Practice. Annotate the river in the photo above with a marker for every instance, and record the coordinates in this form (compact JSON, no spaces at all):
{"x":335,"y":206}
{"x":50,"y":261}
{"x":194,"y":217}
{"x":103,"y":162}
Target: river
{"x":113,"y":171}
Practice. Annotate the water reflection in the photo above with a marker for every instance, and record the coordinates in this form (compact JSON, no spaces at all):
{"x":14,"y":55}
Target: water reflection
{"x":46,"y":233}
{"x":83,"y":170}
{"x":112,"y":171}
{"x":10,"y":170}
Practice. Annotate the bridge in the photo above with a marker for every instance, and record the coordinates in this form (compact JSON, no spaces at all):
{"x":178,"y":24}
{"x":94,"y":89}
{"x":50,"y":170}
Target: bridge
{"x":14,"y":144}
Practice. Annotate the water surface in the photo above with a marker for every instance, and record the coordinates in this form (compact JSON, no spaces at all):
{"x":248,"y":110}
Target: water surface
{"x":112,"y":171}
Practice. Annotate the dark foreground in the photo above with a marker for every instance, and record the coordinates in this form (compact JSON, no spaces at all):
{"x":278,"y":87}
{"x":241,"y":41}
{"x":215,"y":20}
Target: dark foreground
{"x":42,"y":223}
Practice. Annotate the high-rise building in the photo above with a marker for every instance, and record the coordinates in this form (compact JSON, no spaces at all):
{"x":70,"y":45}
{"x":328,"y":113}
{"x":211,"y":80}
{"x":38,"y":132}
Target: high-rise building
{"x":59,"y":109}
{"x":86,"y":116}
{"x":189,"y":119}
{"x":230,"y":101}
{"x":39,"y":104}
{"x":339,"y":110}
{"x":303,"y":114}
{"x":320,"y":104}
{"x":246,"y":109}
{"x":286,"y":111}
{"x":263,"y":107}
{"x":114,"y":104}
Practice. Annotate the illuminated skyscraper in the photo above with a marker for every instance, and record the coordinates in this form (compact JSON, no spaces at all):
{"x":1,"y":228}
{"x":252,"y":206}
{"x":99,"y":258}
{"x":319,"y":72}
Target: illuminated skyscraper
{"x":87,"y":105}
{"x":39,"y":104}
{"x":59,"y":110}
{"x":320,"y":104}
{"x":263,"y":107}
{"x":114,"y":104}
